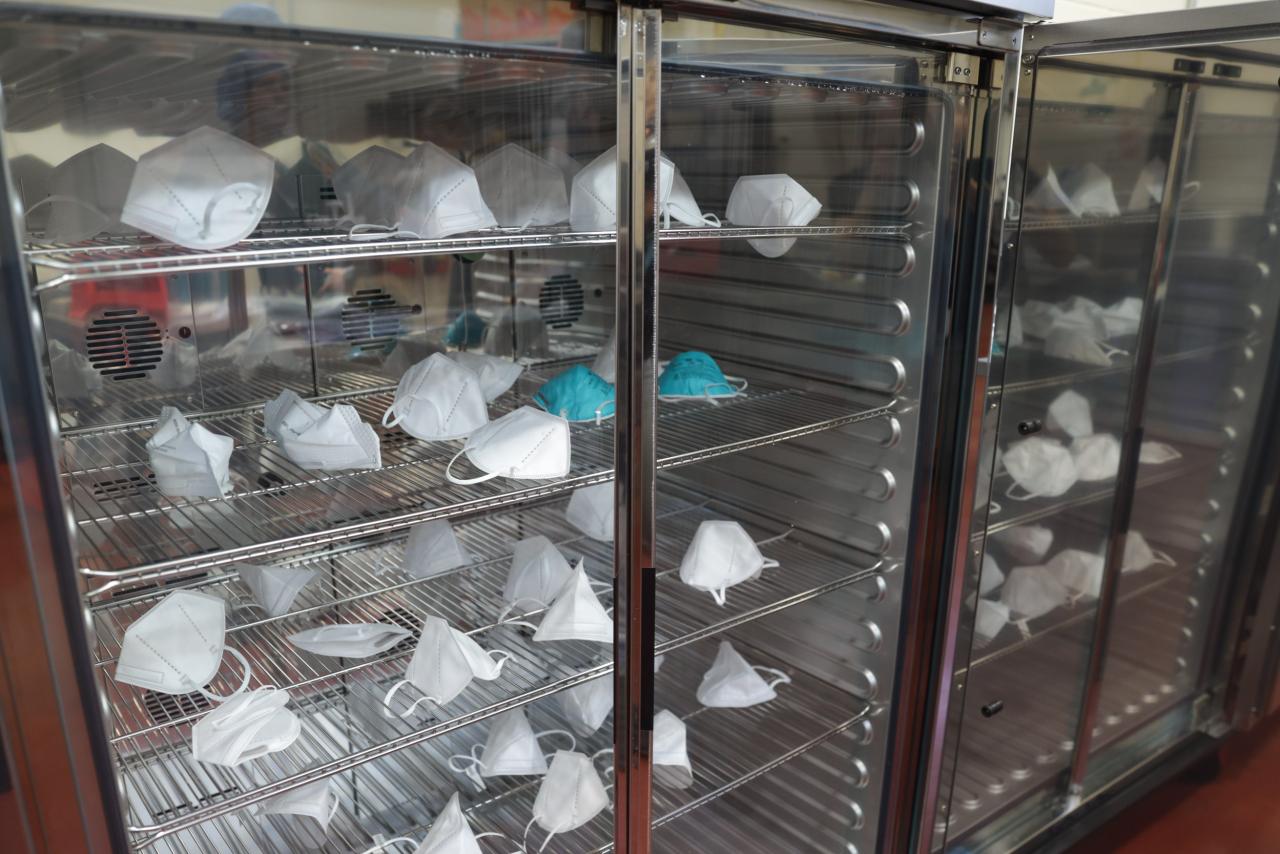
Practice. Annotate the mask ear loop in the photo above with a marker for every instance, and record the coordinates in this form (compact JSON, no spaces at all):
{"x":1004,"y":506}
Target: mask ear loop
{"x":1163,"y":558}
{"x":1023,"y":629}
{"x":510,"y":609}
{"x":1110,"y":352}
{"x":465,"y":481}
{"x":495,"y":833}
{"x":230,"y":189}
{"x":244,"y":682}
{"x":366,"y":232}
{"x":381,"y":844}
{"x":473,"y":762}
{"x":386,"y":702}
{"x":782,"y":678}
{"x":1008,"y":493}
{"x":573,"y":742}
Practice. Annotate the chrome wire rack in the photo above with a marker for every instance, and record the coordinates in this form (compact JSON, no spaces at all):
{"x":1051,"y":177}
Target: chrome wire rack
{"x":401,"y":793}
{"x":367,"y":584}
{"x":129,"y":532}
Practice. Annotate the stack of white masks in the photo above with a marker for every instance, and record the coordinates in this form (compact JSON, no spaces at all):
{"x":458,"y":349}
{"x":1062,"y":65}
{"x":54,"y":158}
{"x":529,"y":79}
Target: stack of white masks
{"x":1097,"y":457}
{"x":576,"y":613}
{"x":1032,"y":591}
{"x":538,"y":572}
{"x":438,"y":399}
{"x":1041,"y":467}
{"x":496,"y":373}
{"x":349,"y":640}
{"x":770,"y":201}
{"x":443,"y":665}
{"x":433,"y":548}
{"x":307,"y":809}
{"x":590,"y":510}
{"x":317,"y":438}
{"x":521,"y":188}
{"x":671,"y":766}
{"x":731,"y":682}
{"x":87,"y":193}
{"x":1138,"y":555}
{"x":586,"y":705}
{"x":370,"y":187}
{"x":1027,"y":544}
{"x":442,"y":196}
{"x":1079,"y":571}
{"x":1070,"y":413}
{"x":526,"y":444}
{"x":275,"y":587}
{"x":571,"y":795}
{"x":176,"y":647}
{"x":721,"y":555}
{"x":247,"y":726}
{"x":511,"y":750}
{"x":1158,"y":453}
{"x":204,"y":190}
{"x":991,"y":576}
{"x":189,"y":461}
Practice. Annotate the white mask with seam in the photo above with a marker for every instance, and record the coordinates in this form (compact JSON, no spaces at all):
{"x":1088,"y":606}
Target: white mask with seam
{"x":438,"y":399}
{"x":1157,"y":453}
{"x":1079,"y":571}
{"x":671,"y":765}
{"x":1040,"y":467}
{"x":525,"y":444}
{"x":314,"y":437}
{"x":576,"y":613}
{"x":1097,"y":457}
{"x":1031,"y":592}
{"x":307,"y":810}
{"x":1138,"y":554}
{"x":496,"y":373}
{"x":521,"y":188}
{"x":587,"y":704}
{"x":443,"y":665}
{"x":1077,"y":346}
{"x":247,"y":726}
{"x":1070,"y":413}
{"x":349,"y":640}
{"x":511,"y":749}
{"x":990,"y":618}
{"x":1123,"y":317}
{"x":87,"y":193}
{"x":451,"y":833}
{"x":370,"y":187}
{"x":731,"y":682}
{"x":275,"y":587}
{"x":593,"y":202}
{"x":571,"y":795}
{"x":721,"y":555}
{"x":590,"y":510}
{"x":442,"y":196}
{"x":770,"y":201}
{"x":538,"y":572}
{"x":1027,"y":544}
{"x":189,"y":460}
{"x":433,"y":548}
{"x":1038,"y":317}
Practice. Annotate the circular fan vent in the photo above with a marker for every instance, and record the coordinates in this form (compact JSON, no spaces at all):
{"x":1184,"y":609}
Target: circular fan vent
{"x":371,"y":319}
{"x":561,"y":301}
{"x":124,"y":344}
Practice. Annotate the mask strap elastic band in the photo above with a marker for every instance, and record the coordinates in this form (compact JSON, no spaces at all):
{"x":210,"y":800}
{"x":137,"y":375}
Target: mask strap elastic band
{"x":711,"y":220}
{"x":391,"y":410}
{"x":510,"y":609}
{"x":782,"y":678}
{"x":1163,"y":557}
{"x":381,"y":844}
{"x":244,"y":682}
{"x":500,"y":657}
{"x":472,"y":763}
{"x":465,"y":481}
{"x":1023,"y":629}
{"x":495,"y":833}
{"x":1008,"y":493}
{"x":368,"y":231}
{"x":994,"y":508}
{"x":718,"y":594}
{"x":230,"y":189}
{"x":386,"y":701}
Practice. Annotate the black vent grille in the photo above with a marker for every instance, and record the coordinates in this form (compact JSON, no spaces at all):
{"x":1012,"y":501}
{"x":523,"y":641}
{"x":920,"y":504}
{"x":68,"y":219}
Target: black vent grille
{"x":166,"y":708}
{"x":327,"y":193}
{"x":371,"y":319}
{"x":124,"y":344}
{"x":115,"y":488}
{"x":561,"y":301}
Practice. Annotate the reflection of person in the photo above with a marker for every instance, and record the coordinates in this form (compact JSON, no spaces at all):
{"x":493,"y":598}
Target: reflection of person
{"x":255,"y":90}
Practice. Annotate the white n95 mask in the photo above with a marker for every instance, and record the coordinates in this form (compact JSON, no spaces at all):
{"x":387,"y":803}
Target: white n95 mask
{"x":176,"y":647}
{"x":590,"y":510}
{"x":587,"y":705}
{"x":349,"y":640}
{"x":1138,"y":555}
{"x":370,"y":186}
{"x":204,"y":190}
{"x":991,"y":576}
{"x":1149,"y":188}
{"x":275,"y":587}
{"x":247,"y":726}
{"x":1079,"y":571}
{"x":1042,"y":467}
{"x":1123,"y":317}
{"x":527,"y":444}
{"x":189,"y":461}
{"x":1084,"y":315}
{"x":521,"y":188}
{"x":538,"y":572}
{"x":990,"y":619}
{"x":87,"y":192}
{"x":1097,"y":457}
{"x":606,"y":364}
{"x":731,"y":683}
{"x":769,"y":201}
{"x":1090,"y":191}
{"x":681,"y":205}
{"x":671,"y":766}
{"x":496,"y":373}
{"x":1026,"y":544}
{"x":451,"y":833}
{"x":576,"y":613}
{"x":1032,"y":591}
{"x":571,"y":795}
{"x":443,"y":665}
{"x":511,"y":750}
{"x":317,"y":438}
{"x":1038,"y":317}
{"x":1070,"y":413}
{"x":593,"y":201}
{"x":307,"y":809}
{"x":1076,"y":346}
{"x":437,"y":399}
{"x":73,"y":375}
{"x":1158,"y":453}
{"x":721,"y":555}
{"x":442,"y":196}
{"x":433,"y":548}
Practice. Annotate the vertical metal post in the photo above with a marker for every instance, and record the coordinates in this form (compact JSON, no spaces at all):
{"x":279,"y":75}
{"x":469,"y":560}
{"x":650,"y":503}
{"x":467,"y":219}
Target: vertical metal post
{"x":1131,"y":440}
{"x":639,"y":74}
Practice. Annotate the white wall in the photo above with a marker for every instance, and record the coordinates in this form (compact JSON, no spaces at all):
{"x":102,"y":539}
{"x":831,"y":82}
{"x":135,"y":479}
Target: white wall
{"x":1083,"y":10}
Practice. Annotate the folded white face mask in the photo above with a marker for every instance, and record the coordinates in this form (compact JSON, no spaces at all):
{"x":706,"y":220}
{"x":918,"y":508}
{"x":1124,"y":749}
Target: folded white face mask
{"x":681,"y":205}
{"x":1079,"y":571}
{"x":496,"y":373}
{"x":511,"y":750}
{"x":1083,"y":315}
{"x":587,"y":705}
{"x":590,"y":510}
{"x":204,"y":190}
{"x":1138,"y":554}
{"x":307,"y":809}
{"x":1123,"y":318}
{"x":370,"y":187}
{"x":770,"y":201}
{"x":1149,"y":188}
{"x":1082,"y":191}
{"x":1027,"y":544}
{"x":576,"y":613}
{"x":1158,"y":453}
{"x":247,"y":726}
{"x":1032,"y":591}
{"x":262,"y":344}
{"x":433,"y":548}
{"x":1076,"y":346}
{"x":538,"y":572}
{"x":991,"y":577}
{"x":275,"y":587}
{"x":438,"y":399}
{"x":1041,"y":467}
{"x":990,"y":619}
{"x":1070,"y":413}
{"x":571,"y":795}
{"x":451,"y":833}
{"x":517,"y":332}
{"x":73,"y":375}
{"x":1038,"y":317}
{"x":1097,"y":457}
{"x":721,"y":555}
{"x":442,"y":196}
{"x":443,"y":665}
{"x":521,"y":188}
{"x":349,"y":640}
{"x":526,"y":444}
{"x":188,"y":460}
{"x":593,"y":201}
{"x":176,"y":647}
{"x":671,"y":766}
{"x":317,"y":438}
{"x":732,"y":683}
{"x":606,"y":364}
{"x":86,"y":196}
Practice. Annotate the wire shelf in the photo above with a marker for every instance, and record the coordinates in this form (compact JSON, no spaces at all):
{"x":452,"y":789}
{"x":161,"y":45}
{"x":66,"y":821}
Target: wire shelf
{"x":129,"y":532}
{"x":367,"y":584}
{"x":1064,"y":222}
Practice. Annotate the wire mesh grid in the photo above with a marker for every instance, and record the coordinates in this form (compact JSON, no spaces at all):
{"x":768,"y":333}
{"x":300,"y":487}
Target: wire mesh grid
{"x":368,"y":585}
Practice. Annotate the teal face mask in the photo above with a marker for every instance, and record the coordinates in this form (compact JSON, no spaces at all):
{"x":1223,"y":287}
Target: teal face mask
{"x":577,"y":395}
{"x":466,"y":330}
{"x":694,"y":374}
